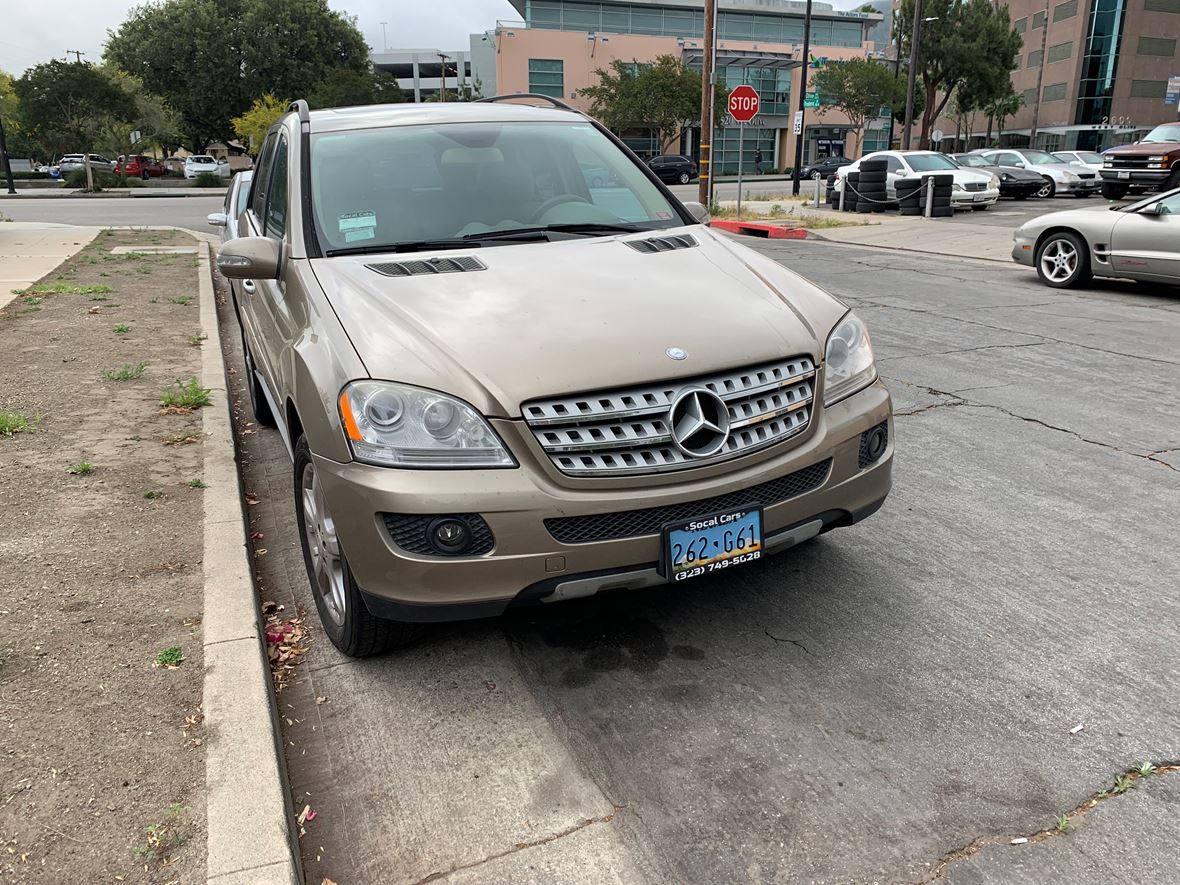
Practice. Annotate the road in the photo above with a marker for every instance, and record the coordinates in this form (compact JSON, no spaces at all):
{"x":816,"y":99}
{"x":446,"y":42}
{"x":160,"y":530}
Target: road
{"x":985,"y":653}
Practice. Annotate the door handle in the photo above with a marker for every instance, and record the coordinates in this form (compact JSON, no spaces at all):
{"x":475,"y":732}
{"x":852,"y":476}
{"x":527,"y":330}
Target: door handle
{"x":248,"y":286}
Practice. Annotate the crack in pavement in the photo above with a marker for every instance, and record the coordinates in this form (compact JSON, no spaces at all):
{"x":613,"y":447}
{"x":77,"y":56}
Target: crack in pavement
{"x":1123,"y":783}
{"x":791,"y":641}
{"x":962,"y":350}
{"x":521,"y":846}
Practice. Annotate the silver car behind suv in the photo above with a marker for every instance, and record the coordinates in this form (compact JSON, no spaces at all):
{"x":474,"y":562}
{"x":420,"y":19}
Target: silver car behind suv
{"x":503,"y":381}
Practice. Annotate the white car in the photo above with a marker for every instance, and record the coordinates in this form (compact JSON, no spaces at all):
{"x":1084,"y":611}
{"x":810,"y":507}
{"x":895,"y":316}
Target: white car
{"x":1092,"y":160}
{"x":235,"y":204}
{"x":971,"y":187}
{"x":198,"y":163}
{"x":1060,"y":178}
{"x":73,"y":162}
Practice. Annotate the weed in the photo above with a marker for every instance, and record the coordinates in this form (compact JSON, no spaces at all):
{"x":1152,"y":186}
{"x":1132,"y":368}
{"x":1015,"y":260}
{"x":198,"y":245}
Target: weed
{"x":162,"y":838}
{"x":103,"y":273}
{"x":82,"y":468}
{"x":196,"y":484}
{"x":14,"y":422}
{"x":1122,"y":783}
{"x":143,"y":268}
{"x":1063,"y":823}
{"x":33,"y":300}
{"x":98,"y":298}
{"x":125,"y":373}
{"x":185,"y":397}
{"x":182,"y":300}
{"x":170,"y":657}
{"x":179,"y":439}
{"x":152,"y":494}
{"x":60,"y":287}
{"x":153,"y":301}
{"x":196,"y":340}
{"x":1145,"y":770}
{"x":121,"y":329}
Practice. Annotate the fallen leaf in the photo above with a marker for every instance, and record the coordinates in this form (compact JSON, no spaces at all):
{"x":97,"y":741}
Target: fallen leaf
{"x":322,"y":699}
{"x":256,"y":536}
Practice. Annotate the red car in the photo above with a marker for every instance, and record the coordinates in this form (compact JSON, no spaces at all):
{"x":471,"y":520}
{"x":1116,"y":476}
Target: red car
{"x":140,"y":166}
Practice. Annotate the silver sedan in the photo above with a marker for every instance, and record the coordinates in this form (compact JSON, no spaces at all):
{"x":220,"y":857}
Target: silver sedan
{"x":1139,"y":241}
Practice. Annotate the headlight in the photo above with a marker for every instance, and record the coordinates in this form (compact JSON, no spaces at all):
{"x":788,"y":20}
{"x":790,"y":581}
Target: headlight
{"x":1069,"y":176}
{"x":956,"y":186}
{"x":395,"y":425}
{"x":1004,"y":176}
{"x":848,"y":360}
{"x":1108,"y":161}
{"x":1157,"y":159}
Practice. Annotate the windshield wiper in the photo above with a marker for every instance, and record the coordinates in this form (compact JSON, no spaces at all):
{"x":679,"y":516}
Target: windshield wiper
{"x":412,"y":246}
{"x":573,"y":227}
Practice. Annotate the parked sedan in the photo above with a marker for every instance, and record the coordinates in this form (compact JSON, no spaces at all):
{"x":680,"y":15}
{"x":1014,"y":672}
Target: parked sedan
{"x":1140,"y":241}
{"x":1092,"y":160}
{"x":673,"y":168}
{"x":971,"y":188}
{"x":1020,"y":184}
{"x":198,"y":163}
{"x":73,"y":162}
{"x":140,"y":166}
{"x":824,"y":167}
{"x":1058,"y":177}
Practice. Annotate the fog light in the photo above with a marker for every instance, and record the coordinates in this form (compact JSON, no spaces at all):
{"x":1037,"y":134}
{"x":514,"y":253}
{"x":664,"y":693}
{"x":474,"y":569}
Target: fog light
{"x":873,"y":443}
{"x":449,"y":535}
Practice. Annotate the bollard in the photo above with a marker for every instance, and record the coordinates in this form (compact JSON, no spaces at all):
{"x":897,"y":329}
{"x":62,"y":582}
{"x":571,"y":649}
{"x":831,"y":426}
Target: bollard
{"x":816,"y":190}
{"x":843,"y":188}
{"x":929,"y":195}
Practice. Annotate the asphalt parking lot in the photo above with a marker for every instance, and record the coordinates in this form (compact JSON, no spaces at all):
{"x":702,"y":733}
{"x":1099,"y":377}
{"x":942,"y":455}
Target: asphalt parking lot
{"x":891,"y":702}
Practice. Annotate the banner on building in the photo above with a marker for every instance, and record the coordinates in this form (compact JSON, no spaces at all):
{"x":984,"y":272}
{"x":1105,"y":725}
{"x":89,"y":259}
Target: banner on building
{"x":1173,"y":95}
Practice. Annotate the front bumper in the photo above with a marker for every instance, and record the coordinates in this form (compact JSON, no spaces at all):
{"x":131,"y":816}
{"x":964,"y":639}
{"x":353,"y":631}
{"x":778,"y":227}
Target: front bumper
{"x":1020,"y":188}
{"x":1081,"y":186}
{"x":967,"y":198}
{"x":527,"y":563}
{"x":1024,"y":249}
{"x":1138,"y":176}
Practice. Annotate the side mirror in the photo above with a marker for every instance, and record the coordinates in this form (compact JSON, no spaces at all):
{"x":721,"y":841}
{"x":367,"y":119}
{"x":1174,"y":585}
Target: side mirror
{"x":217,"y":219}
{"x":250,"y":258}
{"x":697,"y":211}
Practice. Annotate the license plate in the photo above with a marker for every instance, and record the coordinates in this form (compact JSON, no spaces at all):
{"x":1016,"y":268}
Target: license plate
{"x":712,"y":543}
{"x":979,"y":198}
{"x":1124,"y":174}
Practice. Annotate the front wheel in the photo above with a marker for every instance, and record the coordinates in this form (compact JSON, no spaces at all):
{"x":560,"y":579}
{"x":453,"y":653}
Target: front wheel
{"x":144,"y":175}
{"x":1114,"y":191}
{"x":346,"y":620}
{"x":1063,"y":260}
{"x":981,"y":208}
{"x":1048,"y":189}
{"x":684,"y":178}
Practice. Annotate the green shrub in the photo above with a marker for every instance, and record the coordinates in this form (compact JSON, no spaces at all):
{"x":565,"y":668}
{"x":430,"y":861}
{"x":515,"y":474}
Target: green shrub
{"x":208,"y":179}
{"x":28,"y":176}
{"x":102,"y":180}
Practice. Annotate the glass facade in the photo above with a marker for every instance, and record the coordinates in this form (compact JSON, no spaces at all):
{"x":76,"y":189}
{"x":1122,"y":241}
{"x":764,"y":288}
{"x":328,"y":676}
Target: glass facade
{"x":772,"y":85}
{"x":725,"y":149}
{"x":667,"y":21}
{"x":547,"y":77}
{"x":1096,"y":89}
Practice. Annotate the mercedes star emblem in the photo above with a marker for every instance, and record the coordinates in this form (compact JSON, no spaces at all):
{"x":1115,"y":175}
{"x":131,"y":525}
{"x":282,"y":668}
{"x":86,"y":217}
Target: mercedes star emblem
{"x":699,"y":420}
{"x":676,"y":353}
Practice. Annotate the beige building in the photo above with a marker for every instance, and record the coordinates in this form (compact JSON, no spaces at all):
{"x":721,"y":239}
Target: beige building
{"x":559,"y":45}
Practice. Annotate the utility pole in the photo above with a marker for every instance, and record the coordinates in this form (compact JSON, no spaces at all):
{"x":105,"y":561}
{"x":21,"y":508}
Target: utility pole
{"x":802,"y":99}
{"x":442,"y":93}
{"x":384,"y":38}
{"x":909,"y":89}
{"x":1032,"y":135}
{"x":77,"y":54}
{"x":896,"y":75}
{"x":4,"y":157}
{"x":708,"y":78}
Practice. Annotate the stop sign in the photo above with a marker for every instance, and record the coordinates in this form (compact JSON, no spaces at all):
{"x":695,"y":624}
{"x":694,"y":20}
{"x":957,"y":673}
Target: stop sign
{"x":743,"y":103}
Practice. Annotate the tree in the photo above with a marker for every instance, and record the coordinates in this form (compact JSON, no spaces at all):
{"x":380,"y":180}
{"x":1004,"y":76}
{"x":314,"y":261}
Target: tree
{"x":1001,"y":109}
{"x":211,"y":58}
{"x":8,"y":102}
{"x":860,"y":89}
{"x":154,"y":119}
{"x":66,"y":105}
{"x":345,"y":87}
{"x":250,"y":127}
{"x":664,"y":95}
{"x":963,"y":109}
{"x":962,"y":42}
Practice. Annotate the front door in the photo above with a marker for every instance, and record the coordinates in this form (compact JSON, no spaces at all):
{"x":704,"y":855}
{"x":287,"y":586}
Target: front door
{"x":1148,"y":245}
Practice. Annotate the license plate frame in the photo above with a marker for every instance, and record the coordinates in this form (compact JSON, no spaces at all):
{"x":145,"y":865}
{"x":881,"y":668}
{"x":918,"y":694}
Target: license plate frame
{"x":1124,"y":174}
{"x":712,"y":528}
{"x":978,"y":198}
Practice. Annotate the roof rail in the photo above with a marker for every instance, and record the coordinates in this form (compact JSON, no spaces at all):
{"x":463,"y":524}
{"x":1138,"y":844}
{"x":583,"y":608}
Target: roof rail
{"x":556,"y":102}
{"x":299,"y":106}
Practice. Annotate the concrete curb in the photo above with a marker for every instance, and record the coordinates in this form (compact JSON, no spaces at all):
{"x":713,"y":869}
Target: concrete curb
{"x":929,"y":252}
{"x":760,"y":229}
{"x":145,"y":193}
{"x":250,"y":833}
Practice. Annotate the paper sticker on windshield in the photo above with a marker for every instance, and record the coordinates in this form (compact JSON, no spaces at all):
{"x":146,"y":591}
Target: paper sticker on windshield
{"x":356,"y":220}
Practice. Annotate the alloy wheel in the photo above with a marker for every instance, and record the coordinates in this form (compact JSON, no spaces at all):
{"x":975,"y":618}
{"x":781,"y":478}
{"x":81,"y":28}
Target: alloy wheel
{"x":1046,"y":189}
{"x":323,"y":546}
{"x":1059,"y":260}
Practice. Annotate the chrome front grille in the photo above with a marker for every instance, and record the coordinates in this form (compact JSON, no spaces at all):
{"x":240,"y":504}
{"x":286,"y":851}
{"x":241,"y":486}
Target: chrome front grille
{"x":627,"y":431}
{"x":976,"y":185}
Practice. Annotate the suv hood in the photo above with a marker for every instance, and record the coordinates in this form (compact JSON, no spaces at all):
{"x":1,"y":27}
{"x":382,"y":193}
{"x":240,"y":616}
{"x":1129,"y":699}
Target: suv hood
{"x":1152,"y":149}
{"x":546,"y":319}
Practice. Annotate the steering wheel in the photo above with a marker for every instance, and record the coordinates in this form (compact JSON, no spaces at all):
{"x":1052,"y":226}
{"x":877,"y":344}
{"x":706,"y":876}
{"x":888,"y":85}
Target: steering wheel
{"x":558,"y":200}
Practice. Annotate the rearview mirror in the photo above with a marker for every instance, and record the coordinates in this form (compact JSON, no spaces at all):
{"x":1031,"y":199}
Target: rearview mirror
{"x":250,"y":258}
{"x":697,"y":211}
{"x":217,"y":219}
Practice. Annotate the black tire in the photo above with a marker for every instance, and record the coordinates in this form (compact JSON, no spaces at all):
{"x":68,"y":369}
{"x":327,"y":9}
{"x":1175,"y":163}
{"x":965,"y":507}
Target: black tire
{"x":872,"y":178}
{"x":942,"y":212}
{"x":911,"y":210}
{"x":258,"y":404}
{"x":684,"y":178}
{"x":1047,"y":190}
{"x":359,"y":633}
{"x":1080,"y":273}
{"x":981,"y":208}
{"x":1114,"y":191}
{"x":1081,"y":195}
{"x":1173,"y":179}
{"x":144,"y":175}
{"x":1021,"y":196}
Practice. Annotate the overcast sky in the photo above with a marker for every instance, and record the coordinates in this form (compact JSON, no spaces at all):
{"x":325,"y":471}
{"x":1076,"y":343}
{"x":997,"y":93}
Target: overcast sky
{"x":35,"y":32}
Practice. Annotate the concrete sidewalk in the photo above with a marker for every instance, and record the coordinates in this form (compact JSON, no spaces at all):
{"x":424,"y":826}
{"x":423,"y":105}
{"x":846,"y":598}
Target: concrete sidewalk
{"x":115,"y":193}
{"x":29,"y":250}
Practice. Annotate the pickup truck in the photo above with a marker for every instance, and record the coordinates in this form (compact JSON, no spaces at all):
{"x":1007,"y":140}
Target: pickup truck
{"x":1152,"y":162}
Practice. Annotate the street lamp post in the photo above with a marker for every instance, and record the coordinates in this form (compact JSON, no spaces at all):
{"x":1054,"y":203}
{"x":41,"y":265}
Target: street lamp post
{"x":442,"y":93}
{"x":909,"y":89}
{"x":708,"y":79}
{"x":802,"y":99}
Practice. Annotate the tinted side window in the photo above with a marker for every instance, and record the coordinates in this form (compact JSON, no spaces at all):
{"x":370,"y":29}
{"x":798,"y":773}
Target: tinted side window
{"x":894,"y":165}
{"x":258,"y":191}
{"x":276,"y":201}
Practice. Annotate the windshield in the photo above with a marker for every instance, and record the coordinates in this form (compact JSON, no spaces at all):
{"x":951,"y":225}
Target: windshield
{"x":200,"y":159}
{"x":928,"y":162}
{"x":1090,"y":157}
{"x":452,"y":180}
{"x":1165,"y":133}
{"x":970,"y":160}
{"x":1040,"y":158}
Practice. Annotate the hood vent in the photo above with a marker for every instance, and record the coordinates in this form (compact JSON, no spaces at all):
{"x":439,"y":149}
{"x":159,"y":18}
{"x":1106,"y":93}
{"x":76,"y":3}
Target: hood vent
{"x":428,"y":266}
{"x":662,"y":244}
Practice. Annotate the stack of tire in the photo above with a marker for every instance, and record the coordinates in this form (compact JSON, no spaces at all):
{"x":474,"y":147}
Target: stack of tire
{"x":851,"y":187}
{"x":910,"y":195}
{"x":830,"y":195}
{"x":942,"y":183}
{"x":871,"y":194}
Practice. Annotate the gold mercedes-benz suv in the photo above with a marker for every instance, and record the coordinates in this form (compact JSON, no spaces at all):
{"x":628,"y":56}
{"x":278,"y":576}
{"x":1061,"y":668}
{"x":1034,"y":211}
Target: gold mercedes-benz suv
{"x":511,"y":367}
